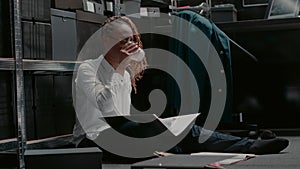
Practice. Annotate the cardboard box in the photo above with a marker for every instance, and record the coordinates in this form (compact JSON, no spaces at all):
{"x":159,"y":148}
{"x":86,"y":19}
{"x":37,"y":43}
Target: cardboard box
{"x":224,"y":13}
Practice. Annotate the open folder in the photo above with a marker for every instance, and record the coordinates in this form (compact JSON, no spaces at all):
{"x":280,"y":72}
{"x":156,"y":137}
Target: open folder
{"x":176,"y":125}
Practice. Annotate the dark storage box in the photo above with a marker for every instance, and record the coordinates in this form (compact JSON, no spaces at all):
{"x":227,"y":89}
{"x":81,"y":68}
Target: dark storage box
{"x":224,"y":14}
{"x":43,"y":105}
{"x":71,"y":30}
{"x":5,"y":38}
{"x":87,"y":24}
{"x":29,"y":106}
{"x":63,"y":111}
{"x":37,"y":9}
{"x":7,"y":129}
{"x":72,"y":158}
{"x":132,"y":7}
{"x":9,"y":159}
{"x":64,"y":36}
{"x":36,"y":40}
{"x":67,"y":4}
{"x":251,"y":9}
{"x":49,"y":107}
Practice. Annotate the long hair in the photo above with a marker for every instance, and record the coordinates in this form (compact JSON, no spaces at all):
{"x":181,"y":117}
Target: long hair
{"x":136,"y":68}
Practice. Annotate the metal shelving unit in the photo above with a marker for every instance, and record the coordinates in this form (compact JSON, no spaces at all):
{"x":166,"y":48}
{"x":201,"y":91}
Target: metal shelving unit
{"x":8,"y":144}
{"x":39,"y":65}
{"x":18,"y":65}
{"x":19,"y":82}
{"x":49,"y":65}
{"x":7,"y":64}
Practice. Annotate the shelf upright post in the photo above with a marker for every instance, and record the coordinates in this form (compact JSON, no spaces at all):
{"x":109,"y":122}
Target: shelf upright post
{"x":117,"y":8}
{"x":19,"y":82}
{"x":209,"y":8}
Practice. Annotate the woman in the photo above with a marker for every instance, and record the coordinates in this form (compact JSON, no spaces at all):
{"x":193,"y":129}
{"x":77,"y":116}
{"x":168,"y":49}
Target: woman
{"x":103,"y":88}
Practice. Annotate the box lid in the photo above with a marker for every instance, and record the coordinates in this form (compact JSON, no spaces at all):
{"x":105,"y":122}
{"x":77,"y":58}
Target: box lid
{"x":63,"y":13}
{"x":224,"y":7}
{"x":90,"y":17}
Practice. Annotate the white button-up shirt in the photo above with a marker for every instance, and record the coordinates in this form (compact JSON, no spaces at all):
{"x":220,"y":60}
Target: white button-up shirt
{"x":99,"y":91}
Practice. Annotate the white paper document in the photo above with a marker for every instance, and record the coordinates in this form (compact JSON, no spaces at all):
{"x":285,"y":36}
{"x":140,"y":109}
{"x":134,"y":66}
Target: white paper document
{"x":176,"y":125}
{"x":233,"y":157}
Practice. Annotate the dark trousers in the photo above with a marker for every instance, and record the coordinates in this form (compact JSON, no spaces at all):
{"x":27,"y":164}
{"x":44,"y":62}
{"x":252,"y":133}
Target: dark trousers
{"x":217,"y":142}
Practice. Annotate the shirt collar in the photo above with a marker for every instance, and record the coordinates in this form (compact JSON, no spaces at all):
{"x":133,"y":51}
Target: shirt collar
{"x":108,"y":67}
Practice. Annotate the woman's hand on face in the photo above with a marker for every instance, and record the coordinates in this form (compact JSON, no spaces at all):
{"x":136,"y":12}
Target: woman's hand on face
{"x":129,"y":48}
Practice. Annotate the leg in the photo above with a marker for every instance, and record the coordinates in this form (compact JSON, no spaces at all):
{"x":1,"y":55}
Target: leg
{"x":217,"y":142}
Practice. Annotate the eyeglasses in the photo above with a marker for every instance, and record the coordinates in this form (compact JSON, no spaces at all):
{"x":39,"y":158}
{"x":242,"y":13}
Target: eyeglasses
{"x":125,"y":40}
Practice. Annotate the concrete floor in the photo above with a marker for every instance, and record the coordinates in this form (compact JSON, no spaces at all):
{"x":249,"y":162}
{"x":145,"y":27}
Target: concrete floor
{"x":288,"y":159}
